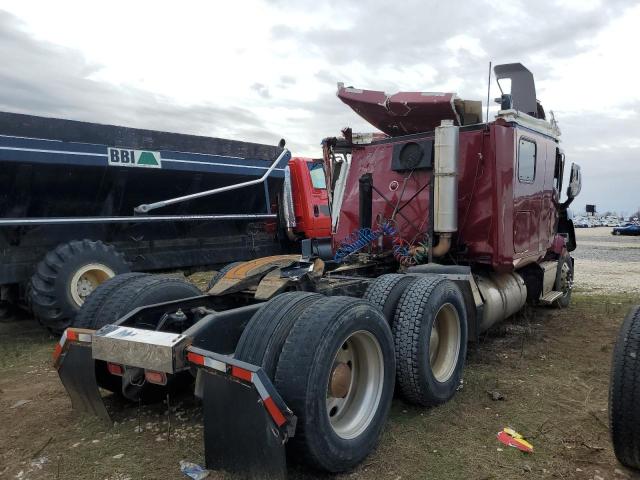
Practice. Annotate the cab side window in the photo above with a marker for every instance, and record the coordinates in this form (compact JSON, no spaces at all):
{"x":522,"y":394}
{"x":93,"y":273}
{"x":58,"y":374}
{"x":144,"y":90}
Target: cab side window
{"x":526,"y":161}
{"x":558,"y":170}
{"x":317,"y":175}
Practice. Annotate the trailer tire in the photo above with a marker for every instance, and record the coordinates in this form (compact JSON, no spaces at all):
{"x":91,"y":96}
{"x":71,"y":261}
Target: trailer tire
{"x":340,"y":416}
{"x":264,"y":336}
{"x":385,"y":292}
{"x":56,"y":293}
{"x":624,"y":392}
{"x":221,"y":273}
{"x":564,"y":280}
{"x":428,"y":375}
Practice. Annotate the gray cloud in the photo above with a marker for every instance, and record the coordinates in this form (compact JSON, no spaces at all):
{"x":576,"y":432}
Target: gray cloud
{"x":286,"y":80}
{"x":261,"y":90}
{"x":386,"y":35}
{"x":538,"y":34}
{"x":42,"y":79}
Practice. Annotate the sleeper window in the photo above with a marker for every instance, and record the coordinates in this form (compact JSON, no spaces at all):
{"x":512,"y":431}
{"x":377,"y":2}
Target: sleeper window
{"x":526,"y":161}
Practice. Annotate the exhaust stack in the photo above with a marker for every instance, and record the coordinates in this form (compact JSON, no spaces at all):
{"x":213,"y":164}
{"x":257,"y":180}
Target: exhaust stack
{"x":445,"y":188}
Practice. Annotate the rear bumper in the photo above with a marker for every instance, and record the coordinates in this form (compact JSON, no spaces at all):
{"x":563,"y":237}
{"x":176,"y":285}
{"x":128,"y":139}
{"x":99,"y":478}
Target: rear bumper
{"x":246,"y":421}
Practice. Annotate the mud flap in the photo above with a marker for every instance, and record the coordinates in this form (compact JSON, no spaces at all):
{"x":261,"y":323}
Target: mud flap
{"x":78,"y":375}
{"x":240,"y":436}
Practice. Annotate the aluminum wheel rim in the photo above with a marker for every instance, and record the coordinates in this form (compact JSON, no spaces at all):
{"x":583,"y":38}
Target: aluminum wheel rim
{"x":86,"y":280}
{"x":352,"y":402}
{"x":566,"y":280}
{"x":444,"y":343}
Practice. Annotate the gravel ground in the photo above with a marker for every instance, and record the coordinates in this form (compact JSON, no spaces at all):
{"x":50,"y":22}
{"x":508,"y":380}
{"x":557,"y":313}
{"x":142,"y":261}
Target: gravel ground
{"x":606,"y":263}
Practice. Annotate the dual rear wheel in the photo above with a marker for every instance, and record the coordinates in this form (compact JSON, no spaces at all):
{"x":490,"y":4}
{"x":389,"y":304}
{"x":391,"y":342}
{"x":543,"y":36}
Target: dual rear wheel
{"x":332,"y":361}
{"x":336,"y":360}
{"x":111,"y":301}
{"x":429,"y":324}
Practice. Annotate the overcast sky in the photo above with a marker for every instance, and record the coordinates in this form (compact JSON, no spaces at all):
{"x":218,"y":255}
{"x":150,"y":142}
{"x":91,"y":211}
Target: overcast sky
{"x":263,"y":70}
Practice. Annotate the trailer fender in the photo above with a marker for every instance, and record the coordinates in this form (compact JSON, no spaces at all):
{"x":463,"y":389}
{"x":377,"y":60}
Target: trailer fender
{"x":246,"y":422}
{"x":74,"y":362}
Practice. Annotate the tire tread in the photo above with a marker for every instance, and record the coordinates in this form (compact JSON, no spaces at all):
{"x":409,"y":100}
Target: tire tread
{"x":44,"y":300}
{"x":624,"y":392}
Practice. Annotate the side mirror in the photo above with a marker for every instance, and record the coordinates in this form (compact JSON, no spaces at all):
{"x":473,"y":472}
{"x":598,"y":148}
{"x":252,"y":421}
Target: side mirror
{"x":575,"y":181}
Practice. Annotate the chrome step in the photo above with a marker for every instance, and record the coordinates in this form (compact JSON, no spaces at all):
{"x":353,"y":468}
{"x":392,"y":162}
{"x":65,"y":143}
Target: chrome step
{"x":551,"y":297}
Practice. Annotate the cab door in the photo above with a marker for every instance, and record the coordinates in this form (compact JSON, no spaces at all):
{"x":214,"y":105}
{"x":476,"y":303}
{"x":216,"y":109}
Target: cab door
{"x":320,"y":200}
{"x":529,"y":173}
{"x":310,"y":198}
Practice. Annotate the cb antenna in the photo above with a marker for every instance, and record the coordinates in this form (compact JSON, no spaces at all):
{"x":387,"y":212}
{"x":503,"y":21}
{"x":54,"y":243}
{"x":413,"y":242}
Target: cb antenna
{"x":488,"y":91}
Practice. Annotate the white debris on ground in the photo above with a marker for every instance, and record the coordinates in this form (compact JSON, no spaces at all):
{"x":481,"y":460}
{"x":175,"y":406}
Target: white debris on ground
{"x":35,"y":465}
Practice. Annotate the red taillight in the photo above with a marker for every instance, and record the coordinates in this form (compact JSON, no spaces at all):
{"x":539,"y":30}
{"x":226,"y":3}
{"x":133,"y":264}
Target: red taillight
{"x":115,"y":369}
{"x":159,"y":378}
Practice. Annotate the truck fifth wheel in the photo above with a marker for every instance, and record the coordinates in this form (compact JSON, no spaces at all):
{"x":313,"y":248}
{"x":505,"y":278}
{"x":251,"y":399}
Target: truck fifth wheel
{"x":442,"y":226}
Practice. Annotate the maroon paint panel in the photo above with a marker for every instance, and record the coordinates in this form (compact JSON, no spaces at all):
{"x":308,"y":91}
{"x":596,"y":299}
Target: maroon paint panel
{"x":502,"y":222}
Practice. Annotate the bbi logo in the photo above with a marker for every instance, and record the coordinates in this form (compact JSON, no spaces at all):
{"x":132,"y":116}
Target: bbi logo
{"x":122,"y":157}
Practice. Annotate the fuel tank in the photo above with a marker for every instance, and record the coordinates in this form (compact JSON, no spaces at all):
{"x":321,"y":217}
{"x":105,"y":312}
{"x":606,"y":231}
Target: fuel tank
{"x":504,"y":294}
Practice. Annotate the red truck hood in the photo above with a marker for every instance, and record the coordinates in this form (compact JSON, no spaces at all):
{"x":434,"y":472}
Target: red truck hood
{"x":401,"y":113}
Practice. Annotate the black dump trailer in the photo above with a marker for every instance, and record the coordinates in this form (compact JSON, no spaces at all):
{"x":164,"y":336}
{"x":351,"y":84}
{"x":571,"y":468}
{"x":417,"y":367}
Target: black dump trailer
{"x":82,"y":202}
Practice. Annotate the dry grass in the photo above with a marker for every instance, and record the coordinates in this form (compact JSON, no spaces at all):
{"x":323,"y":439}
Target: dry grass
{"x":551,"y":366}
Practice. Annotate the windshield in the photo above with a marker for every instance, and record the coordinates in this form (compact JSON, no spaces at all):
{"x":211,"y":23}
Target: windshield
{"x":317,"y":175}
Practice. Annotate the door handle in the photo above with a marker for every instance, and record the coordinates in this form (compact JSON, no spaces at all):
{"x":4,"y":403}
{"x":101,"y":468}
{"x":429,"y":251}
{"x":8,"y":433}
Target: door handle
{"x":316,"y":211}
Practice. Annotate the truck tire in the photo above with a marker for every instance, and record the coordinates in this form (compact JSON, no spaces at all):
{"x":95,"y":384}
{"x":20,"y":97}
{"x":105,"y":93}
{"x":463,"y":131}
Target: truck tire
{"x":221,"y":273}
{"x":118,"y":301}
{"x":430,"y":335}
{"x":385,"y":292}
{"x":67,"y":275}
{"x":144,"y":290}
{"x":564,"y":281}
{"x":336,"y":373}
{"x":264,"y":336}
{"x":624,"y":392}
{"x":90,"y":309}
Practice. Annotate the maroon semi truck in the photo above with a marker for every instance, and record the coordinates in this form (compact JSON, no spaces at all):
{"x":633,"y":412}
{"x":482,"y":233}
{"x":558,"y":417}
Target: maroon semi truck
{"x":442,"y":226}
